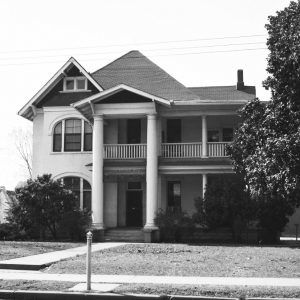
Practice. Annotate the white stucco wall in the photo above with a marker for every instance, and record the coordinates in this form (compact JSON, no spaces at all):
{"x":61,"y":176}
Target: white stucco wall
{"x":191,"y":187}
{"x":191,"y":128}
{"x":111,"y":204}
{"x":59,"y":164}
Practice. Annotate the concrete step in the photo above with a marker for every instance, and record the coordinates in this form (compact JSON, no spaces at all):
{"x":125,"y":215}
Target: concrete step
{"x":124,"y":235}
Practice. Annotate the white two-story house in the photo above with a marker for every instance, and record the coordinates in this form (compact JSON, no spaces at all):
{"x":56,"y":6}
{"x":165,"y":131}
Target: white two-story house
{"x":129,"y":139}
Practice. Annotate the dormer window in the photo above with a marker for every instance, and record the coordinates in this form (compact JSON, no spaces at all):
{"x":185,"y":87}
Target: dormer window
{"x":75,"y":84}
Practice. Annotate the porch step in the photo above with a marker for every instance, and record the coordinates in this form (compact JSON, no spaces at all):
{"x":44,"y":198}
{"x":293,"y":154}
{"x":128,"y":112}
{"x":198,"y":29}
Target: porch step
{"x":124,"y":235}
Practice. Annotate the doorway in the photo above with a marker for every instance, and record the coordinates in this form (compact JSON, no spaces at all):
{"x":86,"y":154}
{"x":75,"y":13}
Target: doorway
{"x":133,"y":131}
{"x":173,"y":130}
{"x":134,"y":208}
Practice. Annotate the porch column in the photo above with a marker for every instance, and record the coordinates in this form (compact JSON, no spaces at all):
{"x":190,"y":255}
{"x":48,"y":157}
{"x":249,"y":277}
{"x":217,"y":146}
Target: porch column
{"x":204,"y":183}
{"x":204,"y":136}
{"x":97,"y":190}
{"x":151,"y":173}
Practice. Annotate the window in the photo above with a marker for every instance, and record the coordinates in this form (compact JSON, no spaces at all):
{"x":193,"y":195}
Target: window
{"x":88,"y":136}
{"x":81,"y":189}
{"x":227,"y":134}
{"x":75,"y":84}
{"x":213,"y":136}
{"x":174,"y":195}
{"x":72,"y":135}
{"x":57,"y":134}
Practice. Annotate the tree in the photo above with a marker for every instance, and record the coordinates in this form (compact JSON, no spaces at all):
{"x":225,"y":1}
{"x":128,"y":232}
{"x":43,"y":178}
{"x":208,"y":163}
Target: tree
{"x":266,"y":149}
{"x":226,"y":204}
{"x":23,"y":142}
{"x":42,"y":205}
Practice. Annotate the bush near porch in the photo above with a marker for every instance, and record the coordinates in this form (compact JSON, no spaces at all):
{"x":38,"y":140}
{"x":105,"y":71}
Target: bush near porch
{"x":226,"y":214}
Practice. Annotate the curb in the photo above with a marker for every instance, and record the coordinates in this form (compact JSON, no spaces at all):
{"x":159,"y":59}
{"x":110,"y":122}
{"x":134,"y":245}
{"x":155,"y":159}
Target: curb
{"x":23,"y":267}
{"x":53,"y":295}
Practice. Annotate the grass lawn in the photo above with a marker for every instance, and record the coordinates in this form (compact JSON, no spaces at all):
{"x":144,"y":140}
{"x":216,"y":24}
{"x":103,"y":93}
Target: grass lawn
{"x":188,"y":260}
{"x":11,"y":249}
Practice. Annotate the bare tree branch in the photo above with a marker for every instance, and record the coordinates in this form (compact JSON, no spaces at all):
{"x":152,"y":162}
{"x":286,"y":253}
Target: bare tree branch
{"x":23,"y":142}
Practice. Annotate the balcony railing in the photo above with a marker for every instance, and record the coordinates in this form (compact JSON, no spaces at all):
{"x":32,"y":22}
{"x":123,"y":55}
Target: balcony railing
{"x":181,"y":150}
{"x":125,"y":151}
{"x":217,"y":149}
{"x":168,"y":150}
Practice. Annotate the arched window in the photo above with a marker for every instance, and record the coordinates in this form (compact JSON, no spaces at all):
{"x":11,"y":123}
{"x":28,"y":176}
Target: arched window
{"x":82,"y":190}
{"x":72,"y":135}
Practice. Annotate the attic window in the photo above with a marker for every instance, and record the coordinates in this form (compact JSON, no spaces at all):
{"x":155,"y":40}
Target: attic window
{"x":72,"y":84}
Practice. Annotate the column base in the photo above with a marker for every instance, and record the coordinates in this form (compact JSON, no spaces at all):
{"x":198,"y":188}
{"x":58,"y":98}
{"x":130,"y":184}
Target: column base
{"x":98,"y":234}
{"x":151,"y":234}
{"x":98,"y":231}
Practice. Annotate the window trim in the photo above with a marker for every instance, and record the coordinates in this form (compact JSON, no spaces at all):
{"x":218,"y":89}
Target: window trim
{"x":75,"y":78}
{"x":63,"y":121}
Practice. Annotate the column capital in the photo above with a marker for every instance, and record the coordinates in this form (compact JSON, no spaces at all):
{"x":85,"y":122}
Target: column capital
{"x":151,"y":116}
{"x":98,"y":117}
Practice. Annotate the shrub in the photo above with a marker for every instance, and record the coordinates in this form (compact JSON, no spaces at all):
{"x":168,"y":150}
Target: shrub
{"x":174,"y":225}
{"x":226,"y":204}
{"x":42,"y":206}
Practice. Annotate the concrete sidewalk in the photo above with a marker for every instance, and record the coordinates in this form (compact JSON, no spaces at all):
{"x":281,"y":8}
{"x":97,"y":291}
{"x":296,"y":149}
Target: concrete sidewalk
{"x":186,"y":280}
{"x":37,"y":262}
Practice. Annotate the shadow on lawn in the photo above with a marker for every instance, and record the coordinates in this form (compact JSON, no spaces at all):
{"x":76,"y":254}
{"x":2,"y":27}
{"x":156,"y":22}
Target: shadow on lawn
{"x":281,"y":244}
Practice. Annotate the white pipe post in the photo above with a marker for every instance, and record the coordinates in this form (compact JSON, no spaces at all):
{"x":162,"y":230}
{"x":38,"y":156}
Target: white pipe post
{"x":89,"y":237}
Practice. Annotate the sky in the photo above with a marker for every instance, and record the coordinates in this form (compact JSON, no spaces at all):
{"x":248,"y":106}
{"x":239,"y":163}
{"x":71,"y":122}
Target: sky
{"x":199,"y":42}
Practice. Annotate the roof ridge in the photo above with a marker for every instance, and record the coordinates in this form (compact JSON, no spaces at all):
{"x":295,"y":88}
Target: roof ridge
{"x":116,"y":60}
{"x":210,"y":86}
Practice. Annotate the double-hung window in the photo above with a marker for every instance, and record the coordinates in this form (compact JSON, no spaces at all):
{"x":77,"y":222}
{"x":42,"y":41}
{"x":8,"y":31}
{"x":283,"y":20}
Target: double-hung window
{"x":73,"y":135}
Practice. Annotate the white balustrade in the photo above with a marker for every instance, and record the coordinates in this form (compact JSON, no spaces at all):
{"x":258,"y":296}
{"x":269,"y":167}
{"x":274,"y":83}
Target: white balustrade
{"x":169,"y":150}
{"x":181,"y":150}
{"x":124,"y":151}
{"x":217,"y":149}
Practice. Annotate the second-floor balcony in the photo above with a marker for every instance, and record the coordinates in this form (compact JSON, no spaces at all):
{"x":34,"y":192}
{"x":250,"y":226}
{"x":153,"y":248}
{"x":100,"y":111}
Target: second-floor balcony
{"x":168,"y":150}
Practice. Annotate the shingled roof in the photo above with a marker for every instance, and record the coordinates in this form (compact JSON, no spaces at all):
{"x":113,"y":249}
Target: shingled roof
{"x":137,"y":71}
{"x":224,"y":92}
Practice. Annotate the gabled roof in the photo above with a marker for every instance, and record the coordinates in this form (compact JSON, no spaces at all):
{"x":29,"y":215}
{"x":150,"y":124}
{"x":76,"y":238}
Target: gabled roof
{"x":224,"y":92}
{"x":27,"y":111}
{"x":137,"y":71}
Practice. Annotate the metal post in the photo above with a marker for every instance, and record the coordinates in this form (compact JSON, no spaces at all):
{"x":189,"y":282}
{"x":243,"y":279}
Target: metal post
{"x":89,"y":237}
{"x":296,"y":225}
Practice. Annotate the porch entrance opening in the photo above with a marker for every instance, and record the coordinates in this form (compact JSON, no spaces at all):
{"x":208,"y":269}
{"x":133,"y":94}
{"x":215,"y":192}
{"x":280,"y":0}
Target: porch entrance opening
{"x":134,"y":208}
{"x":133,"y":131}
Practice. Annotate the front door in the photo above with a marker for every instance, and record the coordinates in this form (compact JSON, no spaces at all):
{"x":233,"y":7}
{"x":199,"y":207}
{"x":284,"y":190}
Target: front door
{"x":134,"y":208}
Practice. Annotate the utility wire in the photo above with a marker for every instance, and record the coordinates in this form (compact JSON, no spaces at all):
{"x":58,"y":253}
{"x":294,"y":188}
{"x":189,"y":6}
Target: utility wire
{"x":148,"y":50}
{"x":174,"y":54}
{"x":131,"y":44}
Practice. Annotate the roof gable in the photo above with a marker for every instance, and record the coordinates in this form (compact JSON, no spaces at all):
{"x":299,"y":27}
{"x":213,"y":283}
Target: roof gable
{"x":70,"y":67}
{"x":137,"y":71}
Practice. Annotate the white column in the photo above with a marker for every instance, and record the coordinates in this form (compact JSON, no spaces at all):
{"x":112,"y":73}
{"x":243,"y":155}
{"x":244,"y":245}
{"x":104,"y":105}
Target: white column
{"x":151,"y":173}
{"x":97,"y":189}
{"x":204,"y":136}
{"x":204,"y":183}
